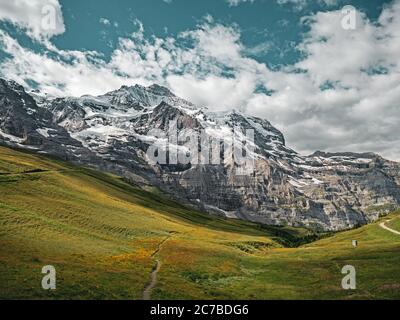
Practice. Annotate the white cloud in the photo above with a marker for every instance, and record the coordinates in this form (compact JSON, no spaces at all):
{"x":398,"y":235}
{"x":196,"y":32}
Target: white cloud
{"x":216,"y":92}
{"x":41,"y":19}
{"x":83,"y":72}
{"x":358,"y":110}
{"x":260,"y":49}
{"x":105,"y":21}
{"x":234,"y":3}
{"x":301,"y":4}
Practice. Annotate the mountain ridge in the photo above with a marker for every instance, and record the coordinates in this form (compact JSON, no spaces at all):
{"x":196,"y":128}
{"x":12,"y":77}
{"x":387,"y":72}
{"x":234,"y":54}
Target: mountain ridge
{"x":112,"y":132}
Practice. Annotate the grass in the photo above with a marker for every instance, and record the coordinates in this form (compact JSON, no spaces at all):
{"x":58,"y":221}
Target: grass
{"x":394,"y":223}
{"x":100,"y":233}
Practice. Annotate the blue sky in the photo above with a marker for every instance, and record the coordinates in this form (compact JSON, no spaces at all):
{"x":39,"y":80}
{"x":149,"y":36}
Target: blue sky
{"x":290,"y":61}
{"x":270,"y":28}
{"x":261,"y":22}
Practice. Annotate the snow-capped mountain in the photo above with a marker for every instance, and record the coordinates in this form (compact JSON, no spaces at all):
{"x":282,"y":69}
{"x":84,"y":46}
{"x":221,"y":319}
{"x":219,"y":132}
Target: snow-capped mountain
{"x":114,"y":131}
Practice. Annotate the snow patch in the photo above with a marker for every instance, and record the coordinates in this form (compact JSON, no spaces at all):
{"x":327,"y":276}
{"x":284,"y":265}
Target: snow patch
{"x":44,"y":132}
{"x":11,"y":137}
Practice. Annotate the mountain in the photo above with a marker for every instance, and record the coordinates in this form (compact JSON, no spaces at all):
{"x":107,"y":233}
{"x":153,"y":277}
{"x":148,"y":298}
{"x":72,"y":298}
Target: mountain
{"x":113,"y":132}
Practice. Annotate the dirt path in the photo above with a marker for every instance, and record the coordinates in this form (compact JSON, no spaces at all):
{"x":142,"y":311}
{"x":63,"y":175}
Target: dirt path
{"x":153,"y":281}
{"x":154,"y":272}
{"x":383,"y":226}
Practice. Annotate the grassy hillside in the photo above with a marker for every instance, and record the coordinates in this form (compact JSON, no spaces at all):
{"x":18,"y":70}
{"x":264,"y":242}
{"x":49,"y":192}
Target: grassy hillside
{"x":104,"y":237}
{"x":394,"y":223}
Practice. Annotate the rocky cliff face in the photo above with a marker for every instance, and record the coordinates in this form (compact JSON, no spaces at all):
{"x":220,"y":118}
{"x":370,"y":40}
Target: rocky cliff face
{"x":114,"y":132}
{"x":26,"y":125}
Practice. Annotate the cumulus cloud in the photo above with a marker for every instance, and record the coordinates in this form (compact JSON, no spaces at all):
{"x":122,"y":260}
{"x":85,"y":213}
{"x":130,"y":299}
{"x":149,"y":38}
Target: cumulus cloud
{"x":343,"y":95}
{"x":59,"y":72}
{"x":354,"y":77}
{"x":41,"y":19}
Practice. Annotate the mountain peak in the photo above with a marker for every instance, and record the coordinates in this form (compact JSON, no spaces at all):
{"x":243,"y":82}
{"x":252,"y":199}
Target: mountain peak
{"x":150,"y":96}
{"x":153,"y":89}
{"x":157,"y":89}
{"x":11,"y":84}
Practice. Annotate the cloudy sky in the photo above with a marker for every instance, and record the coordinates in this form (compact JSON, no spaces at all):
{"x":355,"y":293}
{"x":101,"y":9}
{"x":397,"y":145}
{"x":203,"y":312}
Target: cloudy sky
{"x":327,"y":76}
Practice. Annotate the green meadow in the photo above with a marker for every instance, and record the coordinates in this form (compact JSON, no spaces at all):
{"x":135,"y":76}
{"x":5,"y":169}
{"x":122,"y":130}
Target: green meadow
{"x":105,"y":236}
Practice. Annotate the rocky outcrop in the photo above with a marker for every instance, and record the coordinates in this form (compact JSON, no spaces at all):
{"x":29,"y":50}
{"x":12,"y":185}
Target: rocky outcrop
{"x":113,"y":132}
{"x":24,"y":124}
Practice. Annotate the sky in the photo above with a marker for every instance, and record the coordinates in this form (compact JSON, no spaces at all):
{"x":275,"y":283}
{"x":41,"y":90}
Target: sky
{"x":326,"y":72}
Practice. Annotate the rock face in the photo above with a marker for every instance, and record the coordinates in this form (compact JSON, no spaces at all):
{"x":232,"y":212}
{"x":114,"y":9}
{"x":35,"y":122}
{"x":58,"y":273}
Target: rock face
{"x":24,"y":124}
{"x":113,"y":132}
